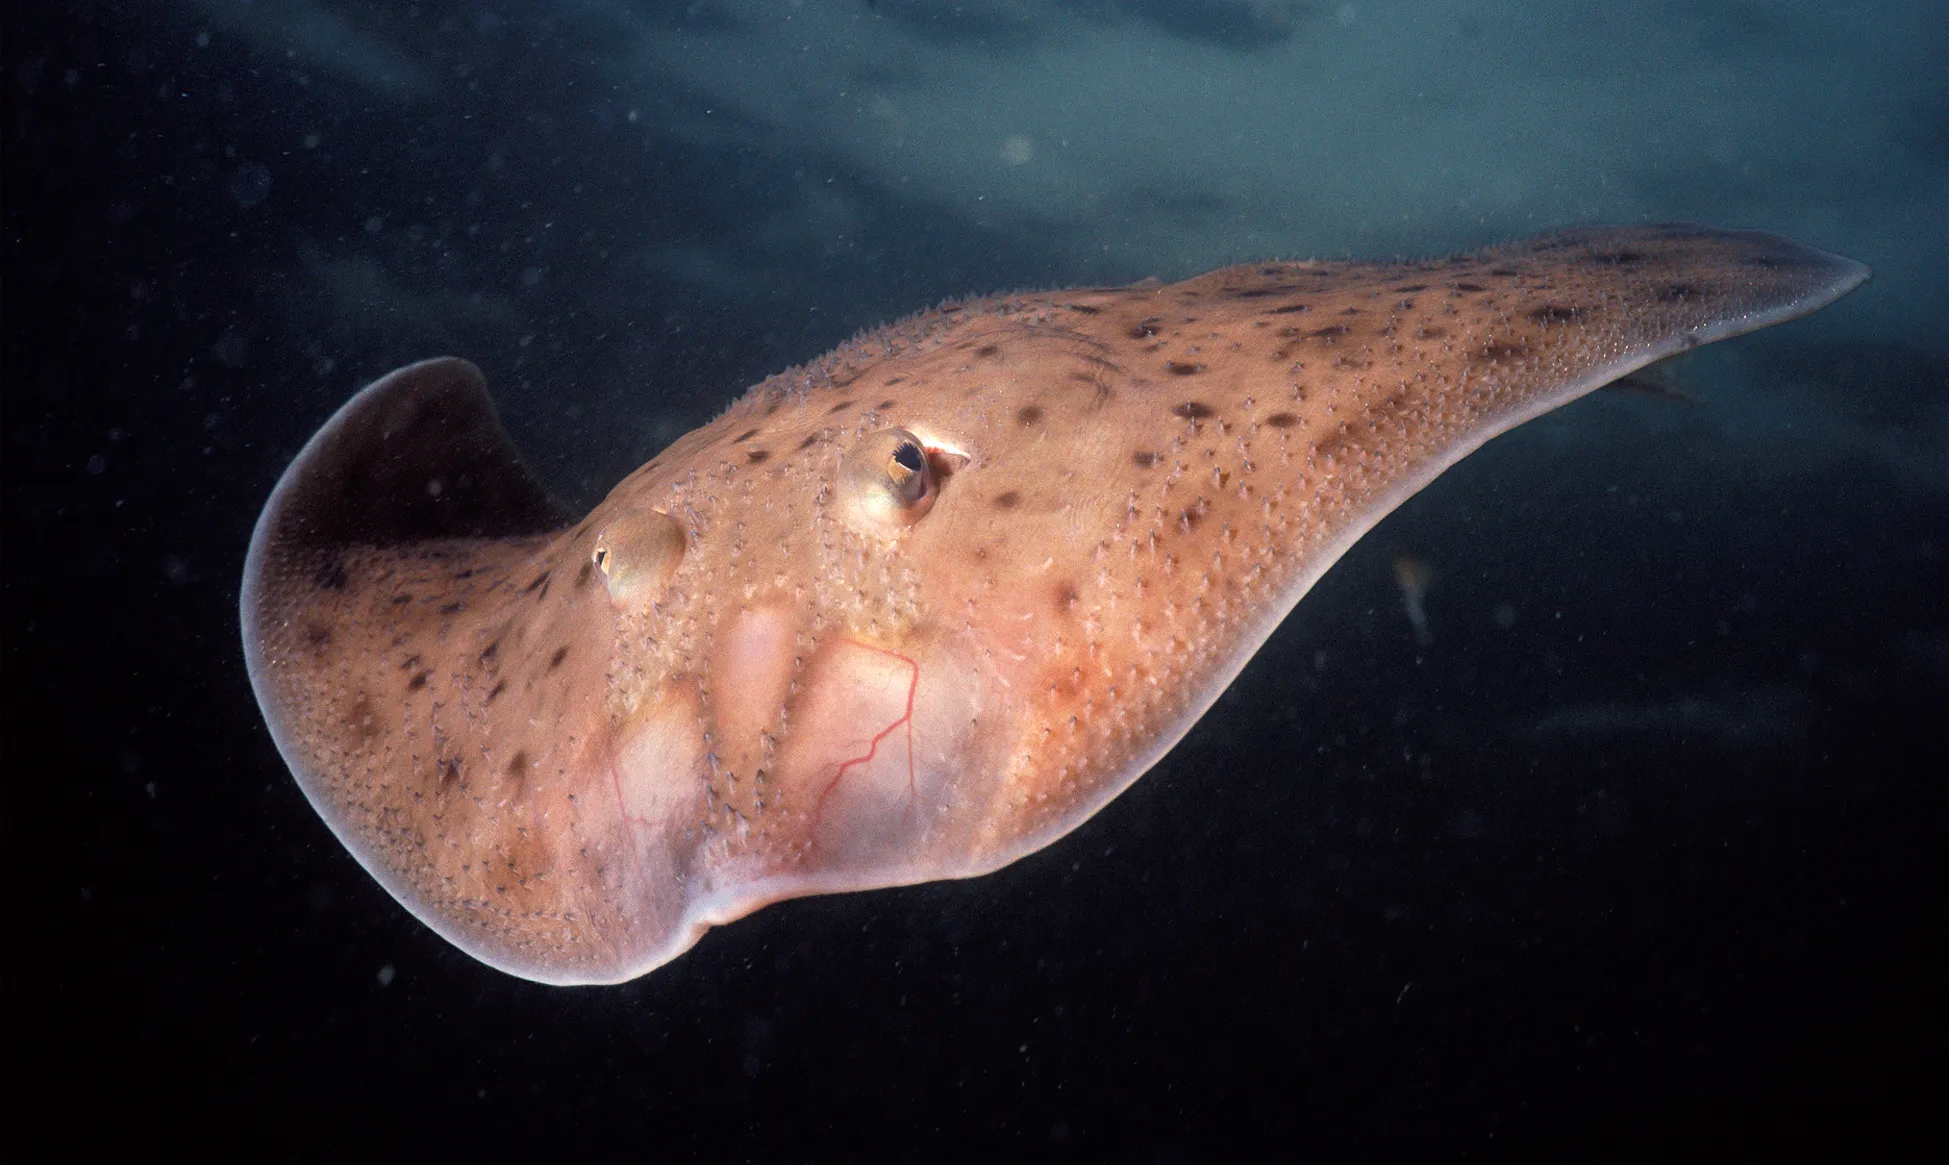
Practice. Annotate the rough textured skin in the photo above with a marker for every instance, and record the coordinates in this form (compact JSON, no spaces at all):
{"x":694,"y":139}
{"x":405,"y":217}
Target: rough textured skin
{"x":1134,"y":486}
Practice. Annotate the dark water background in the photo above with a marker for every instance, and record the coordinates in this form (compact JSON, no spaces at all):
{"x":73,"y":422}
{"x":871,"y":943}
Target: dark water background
{"x":1645,"y":853}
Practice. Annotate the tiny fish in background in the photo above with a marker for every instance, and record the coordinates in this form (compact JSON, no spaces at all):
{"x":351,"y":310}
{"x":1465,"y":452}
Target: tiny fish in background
{"x":909,"y":612}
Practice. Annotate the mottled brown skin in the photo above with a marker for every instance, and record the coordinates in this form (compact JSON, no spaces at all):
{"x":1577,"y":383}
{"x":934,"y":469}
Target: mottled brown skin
{"x":1134,"y":486}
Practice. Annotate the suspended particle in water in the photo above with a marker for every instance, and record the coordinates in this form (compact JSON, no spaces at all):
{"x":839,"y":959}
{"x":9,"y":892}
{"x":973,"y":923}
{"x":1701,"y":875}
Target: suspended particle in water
{"x":250,"y":185}
{"x":1414,"y":575}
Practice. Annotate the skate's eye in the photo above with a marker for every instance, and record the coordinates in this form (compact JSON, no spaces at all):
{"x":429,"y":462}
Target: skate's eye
{"x":887,"y":481}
